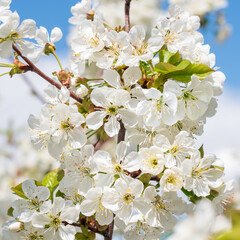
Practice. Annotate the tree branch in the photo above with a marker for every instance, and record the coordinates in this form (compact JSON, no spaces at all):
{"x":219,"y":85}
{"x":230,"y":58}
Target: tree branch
{"x":121,"y":133}
{"x":33,"y":68}
{"x":127,"y":15}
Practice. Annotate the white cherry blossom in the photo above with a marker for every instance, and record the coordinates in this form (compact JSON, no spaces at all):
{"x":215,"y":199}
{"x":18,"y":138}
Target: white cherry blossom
{"x":11,"y":33}
{"x":118,"y":164}
{"x":113,"y":102}
{"x":172,"y":180}
{"x":162,"y":208}
{"x":152,"y":160}
{"x":122,"y":197}
{"x":202,"y":174}
{"x":175,"y":153}
{"x":160,"y":109}
{"x":138,"y":229}
{"x":60,"y":212}
{"x":193,"y":100}
{"x":93,"y":205}
{"x":141,"y":51}
{"x":36,"y":201}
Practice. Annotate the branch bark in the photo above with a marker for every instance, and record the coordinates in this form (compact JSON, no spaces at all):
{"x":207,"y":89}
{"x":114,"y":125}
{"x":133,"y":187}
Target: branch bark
{"x":121,"y":133}
{"x":33,"y":68}
{"x":127,"y":15}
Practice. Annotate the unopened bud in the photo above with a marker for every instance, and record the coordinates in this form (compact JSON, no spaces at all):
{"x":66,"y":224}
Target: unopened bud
{"x":82,"y":91}
{"x":13,"y":226}
{"x":74,"y":81}
{"x":18,"y":68}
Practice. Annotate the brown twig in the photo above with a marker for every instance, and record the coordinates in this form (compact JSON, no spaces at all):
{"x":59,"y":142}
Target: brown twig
{"x":121,"y":133}
{"x":91,"y":227}
{"x":155,"y":178}
{"x":127,"y":15}
{"x":33,"y":68}
{"x":109,"y":232}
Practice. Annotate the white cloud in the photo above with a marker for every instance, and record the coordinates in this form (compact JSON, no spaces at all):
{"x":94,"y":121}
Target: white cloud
{"x":222,"y":132}
{"x":16,"y":102}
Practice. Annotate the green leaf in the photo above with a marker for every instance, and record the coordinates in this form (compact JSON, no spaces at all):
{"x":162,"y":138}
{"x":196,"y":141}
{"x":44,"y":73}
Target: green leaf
{"x":145,"y":66}
{"x":191,"y":195}
{"x":81,"y":236}
{"x":198,"y":69}
{"x":10,"y":212}
{"x":18,"y":189}
{"x":165,"y":68}
{"x":201,"y":151}
{"x":85,"y":234}
{"x":145,"y":178}
{"x":84,"y":230}
{"x":168,"y":57}
{"x":52,"y":179}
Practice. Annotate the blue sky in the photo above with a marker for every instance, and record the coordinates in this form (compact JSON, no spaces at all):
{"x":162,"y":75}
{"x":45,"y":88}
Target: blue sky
{"x":55,"y":13}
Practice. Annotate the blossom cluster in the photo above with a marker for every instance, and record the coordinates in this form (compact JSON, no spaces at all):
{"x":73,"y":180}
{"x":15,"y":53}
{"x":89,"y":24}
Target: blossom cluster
{"x":154,"y":95}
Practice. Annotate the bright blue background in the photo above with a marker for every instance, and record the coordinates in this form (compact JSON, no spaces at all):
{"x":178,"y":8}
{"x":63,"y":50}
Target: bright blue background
{"x":55,"y":13}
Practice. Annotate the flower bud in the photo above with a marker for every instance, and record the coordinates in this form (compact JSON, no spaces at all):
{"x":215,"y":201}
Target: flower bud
{"x":18,"y":68}
{"x":13,"y":226}
{"x":74,"y":82}
{"x":82,"y":91}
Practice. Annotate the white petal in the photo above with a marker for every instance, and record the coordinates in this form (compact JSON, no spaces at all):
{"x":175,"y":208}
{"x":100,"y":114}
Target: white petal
{"x":94,"y":120}
{"x":121,"y":150}
{"x":77,"y":138}
{"x":40,"y":220}
{"x":112,"y":78}
{"x":131,"y":75}
{"x":56,"y":35}
{"x":28,"y":28}
{"x":112,"y":127}
{"x":88,"y":207}
{"x":43,"y":193}
{"x":128,"y":117}
{"x":29,"y":188}
{"x":70,"y":214}
{"x":42,"y":36}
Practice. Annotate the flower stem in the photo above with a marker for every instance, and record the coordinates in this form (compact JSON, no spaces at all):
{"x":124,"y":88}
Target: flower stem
{"x":6,"y":65}
{"x":94,"y":79}
{"x":107,"y":25}
{"x":4,"y":74}
{"x":55,"y":55}
{"x":92,"y":134}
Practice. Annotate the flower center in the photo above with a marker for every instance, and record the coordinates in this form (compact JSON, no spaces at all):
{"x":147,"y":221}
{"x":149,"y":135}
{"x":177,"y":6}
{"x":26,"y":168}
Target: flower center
{"x":154,"y":162}
{"x":172,"y":179}
{"x":118,"y":168}
{"x":35,"y":236}
{"x":128,"y":198}
{"x":56,"y":222}
{"x":112,"y":110}
{"x":66,"y":125}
